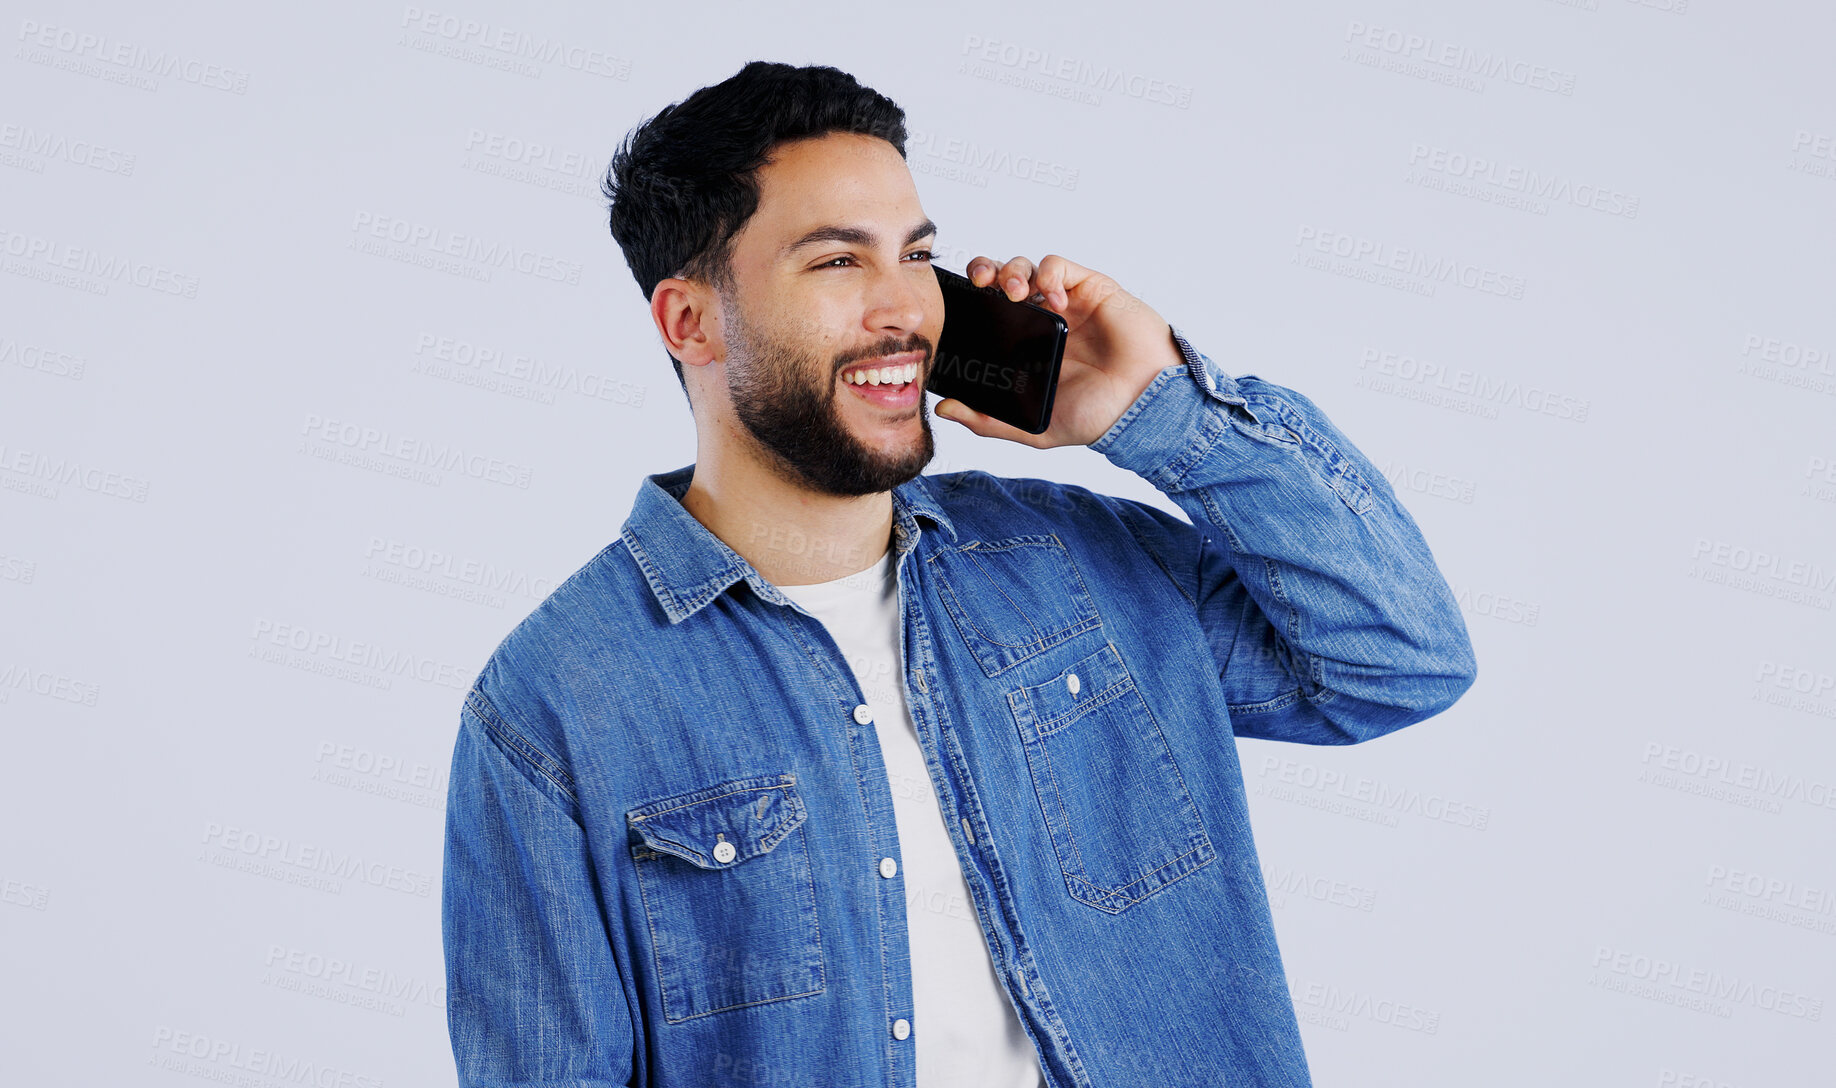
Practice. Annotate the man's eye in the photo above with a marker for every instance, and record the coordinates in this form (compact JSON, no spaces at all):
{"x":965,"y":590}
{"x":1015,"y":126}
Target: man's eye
{"x":924,"y":253}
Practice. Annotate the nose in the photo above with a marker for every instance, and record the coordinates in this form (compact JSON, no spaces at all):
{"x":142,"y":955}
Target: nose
{"x":896,"y":300}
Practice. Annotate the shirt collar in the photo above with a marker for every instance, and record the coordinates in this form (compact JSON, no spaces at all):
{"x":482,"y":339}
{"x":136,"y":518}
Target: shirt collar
{"x":687,"y":566}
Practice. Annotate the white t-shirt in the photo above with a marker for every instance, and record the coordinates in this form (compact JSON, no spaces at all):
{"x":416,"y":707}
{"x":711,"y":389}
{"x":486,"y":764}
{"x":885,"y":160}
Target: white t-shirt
{"x":963,"y":1022}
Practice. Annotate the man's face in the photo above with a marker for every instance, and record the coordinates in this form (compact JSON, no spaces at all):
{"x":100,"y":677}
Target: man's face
{"x":831,"y":276}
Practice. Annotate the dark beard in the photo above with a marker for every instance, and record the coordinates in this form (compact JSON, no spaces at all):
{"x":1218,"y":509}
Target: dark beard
{"x":801,"y":425}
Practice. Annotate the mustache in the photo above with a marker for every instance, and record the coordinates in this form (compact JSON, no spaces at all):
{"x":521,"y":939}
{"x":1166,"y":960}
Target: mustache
{"x":891,"y":347}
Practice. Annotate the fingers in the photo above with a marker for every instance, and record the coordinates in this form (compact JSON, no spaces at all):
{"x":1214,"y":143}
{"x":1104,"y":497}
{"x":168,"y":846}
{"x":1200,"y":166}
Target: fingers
{"x":1057,"y":276}
{"x":1015,"y":277}
{"x":1051,"y":280}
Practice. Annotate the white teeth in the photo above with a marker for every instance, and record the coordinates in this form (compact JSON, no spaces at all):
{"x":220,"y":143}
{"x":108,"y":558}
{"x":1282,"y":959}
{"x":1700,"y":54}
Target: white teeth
{"x":886,"y":375}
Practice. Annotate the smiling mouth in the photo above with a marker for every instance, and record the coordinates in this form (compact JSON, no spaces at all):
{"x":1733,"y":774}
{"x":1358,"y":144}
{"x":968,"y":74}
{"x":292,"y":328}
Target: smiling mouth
{"x":882,"y":375}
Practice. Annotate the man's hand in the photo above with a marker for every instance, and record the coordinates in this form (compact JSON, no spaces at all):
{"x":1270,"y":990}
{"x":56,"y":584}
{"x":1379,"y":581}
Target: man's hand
{"x":1116,"y":345}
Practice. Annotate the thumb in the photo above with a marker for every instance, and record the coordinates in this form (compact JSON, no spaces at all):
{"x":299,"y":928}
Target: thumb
{"x":952,"y":409}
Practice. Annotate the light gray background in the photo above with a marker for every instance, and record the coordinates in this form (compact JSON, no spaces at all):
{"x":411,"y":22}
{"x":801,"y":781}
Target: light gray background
{"x":1610,"y":864}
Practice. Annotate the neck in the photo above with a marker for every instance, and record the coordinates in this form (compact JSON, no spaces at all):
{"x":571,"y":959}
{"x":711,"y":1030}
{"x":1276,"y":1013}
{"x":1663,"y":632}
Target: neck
{"x":791,"y":535}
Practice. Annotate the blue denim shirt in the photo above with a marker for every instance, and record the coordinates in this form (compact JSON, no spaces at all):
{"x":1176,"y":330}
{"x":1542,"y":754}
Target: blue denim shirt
{"x":668,"y":811}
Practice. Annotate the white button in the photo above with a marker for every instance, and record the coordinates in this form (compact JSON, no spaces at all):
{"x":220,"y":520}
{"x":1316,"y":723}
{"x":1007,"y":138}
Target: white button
{"x":862,"y":714}
{"x":888,"y":867}
{"x":901,"y":1029}
{"x":1071,"y":682}
{"x":723,"y":852}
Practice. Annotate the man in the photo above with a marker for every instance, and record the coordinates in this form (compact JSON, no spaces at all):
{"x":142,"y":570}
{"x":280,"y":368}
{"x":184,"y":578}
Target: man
{"x":829,"y":773}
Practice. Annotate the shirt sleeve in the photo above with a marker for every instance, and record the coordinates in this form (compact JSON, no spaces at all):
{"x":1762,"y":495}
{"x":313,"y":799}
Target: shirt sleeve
{"x":534,"y":995}
{"x":1327,"y":617}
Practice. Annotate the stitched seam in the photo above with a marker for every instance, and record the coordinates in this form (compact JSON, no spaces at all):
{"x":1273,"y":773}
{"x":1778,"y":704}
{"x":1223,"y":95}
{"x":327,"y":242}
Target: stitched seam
{"x":1024,"y":650}
{"x":1068,"y":718}
{"x":1120,"y":688}
{"x":656,"y":946}
{"x":1039,"y":643}
{"x":1279,"y":702}
{"x":494,"y":724}
{"x":671,"y":603}
{"x":1021,"y":651}
{"x":1330,"y":466}
{"x":715,"y":797}
{"x":821,"y":962}
{"x":1105,"y":893}
{"x":1070,"y":833}
{"x":1311,"y":665}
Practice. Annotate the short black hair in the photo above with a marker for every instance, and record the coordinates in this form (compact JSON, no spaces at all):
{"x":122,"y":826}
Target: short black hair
{"x":686,"y":181}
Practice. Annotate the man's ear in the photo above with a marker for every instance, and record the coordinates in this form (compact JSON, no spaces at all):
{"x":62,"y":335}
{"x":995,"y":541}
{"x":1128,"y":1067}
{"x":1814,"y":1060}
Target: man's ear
{"x":687,"y":317}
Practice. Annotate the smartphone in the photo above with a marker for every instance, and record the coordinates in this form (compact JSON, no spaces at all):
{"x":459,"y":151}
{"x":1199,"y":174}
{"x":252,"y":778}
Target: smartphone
{"x":996,"y":355}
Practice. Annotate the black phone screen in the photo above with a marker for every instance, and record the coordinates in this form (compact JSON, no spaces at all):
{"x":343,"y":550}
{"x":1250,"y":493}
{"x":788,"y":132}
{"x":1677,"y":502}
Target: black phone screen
{"x":998,"y":356}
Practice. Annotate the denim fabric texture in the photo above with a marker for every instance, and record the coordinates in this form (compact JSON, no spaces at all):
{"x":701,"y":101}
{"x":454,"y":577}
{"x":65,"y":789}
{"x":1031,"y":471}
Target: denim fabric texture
{"x":667,"y":818}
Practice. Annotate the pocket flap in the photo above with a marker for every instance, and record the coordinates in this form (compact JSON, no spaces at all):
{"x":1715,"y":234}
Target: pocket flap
{"x":753,"y":814}
{"x":1046,"y":708}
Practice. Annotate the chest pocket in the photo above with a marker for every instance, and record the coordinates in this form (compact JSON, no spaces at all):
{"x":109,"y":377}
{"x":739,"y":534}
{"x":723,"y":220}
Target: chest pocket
{"x":728,"y":893}
{"x":1014,"y":598}
{"x":1122,"y":823}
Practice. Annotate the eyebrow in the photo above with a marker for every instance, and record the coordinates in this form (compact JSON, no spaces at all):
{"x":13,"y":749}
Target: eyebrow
{"x":854,"y":236}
